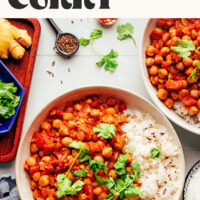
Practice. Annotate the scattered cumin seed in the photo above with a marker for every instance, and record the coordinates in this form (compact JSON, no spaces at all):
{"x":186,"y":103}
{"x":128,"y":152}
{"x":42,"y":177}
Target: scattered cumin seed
{"x":54,"y":47}
{"x":69,"y":70}
{"x":50,"y":73}
{"x":53,"y":63}
{"x":72,"y":21}
{"x":61,"y":82}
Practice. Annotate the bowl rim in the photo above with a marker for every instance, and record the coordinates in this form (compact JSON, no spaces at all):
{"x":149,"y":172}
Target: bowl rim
{"x":89,"y":87}
{"x":19,"y":86}
{"x":187,"y":176}
{"x":170,"y":114}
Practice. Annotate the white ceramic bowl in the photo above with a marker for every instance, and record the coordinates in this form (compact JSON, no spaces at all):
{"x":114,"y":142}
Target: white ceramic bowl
{"x":152,"y":90}
{"x":132,"y":100}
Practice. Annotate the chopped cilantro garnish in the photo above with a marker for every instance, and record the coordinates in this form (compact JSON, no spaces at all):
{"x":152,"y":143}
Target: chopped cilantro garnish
{"x":155,"y":153}
{"x":120,"y":165}
{"x":80,"y":173}
{"x":75,"y":145}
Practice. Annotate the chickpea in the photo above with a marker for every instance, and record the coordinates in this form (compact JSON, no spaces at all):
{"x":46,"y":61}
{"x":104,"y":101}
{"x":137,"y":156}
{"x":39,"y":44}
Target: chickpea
{"x":180,"y":66}
{"x":170,"y":76}
{"x":165,"y":37}
{"x":189,"y":70}
{"x":162,"y":94}
{"x":162,"y":73}
{"x":182,"y":93}
{"x":99,"y":158}
{"x":112,"y":173}
{"x":174,"y":41}
{"x":154,"y":80}
{"x":187,"y":61}
{"x":36,"y":176}
{"x":71,"y":124}
{"x":78,"y":107}
{"x":172,"y":32}
{"x":97,"y":191}
{"x":194,"y":93}
{"x":67,"y":116}
{"x":87,"y":181}
{"x":169,"y":102}
{"x":193,"y":34}
{"x":174,"y":95}
{"x":65,"y":141}
{"x":153,"y":70}
{"x":164,"y":51}
{"x":63,"y":131}
{"x":57,"y":123}
{"x":44,"y":180}
{"x":186,"y":37}
{"x":46,"y":126}
{"x":107,"y":152}
{"x":185,"y":84}
{"x":158,"y":59}
{"x":33,"y":185}
{"x":46,"y":159}
{"x":34,"y":148}
{"x":109,"y":111}
{"x":31,"y":161}
{"x":198,"y":103}
{"x":108,"y":119}
{"x":193,"y":110}
{"x":94,"y":184}
{"x":95,"y":112}
{"x":160,"y":85}
{"x":149,"y":62}
{"x":150,"y":50}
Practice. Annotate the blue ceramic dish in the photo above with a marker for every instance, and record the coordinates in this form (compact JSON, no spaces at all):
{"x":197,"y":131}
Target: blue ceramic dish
{"x":7,"y":77}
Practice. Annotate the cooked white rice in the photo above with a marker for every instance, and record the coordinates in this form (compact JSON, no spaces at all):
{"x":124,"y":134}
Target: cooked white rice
{"x":158,"y":177}
{"x":182,"y":111}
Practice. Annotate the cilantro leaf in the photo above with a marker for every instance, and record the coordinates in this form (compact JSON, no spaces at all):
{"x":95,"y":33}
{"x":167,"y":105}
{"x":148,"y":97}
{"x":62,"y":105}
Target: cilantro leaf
{"x":75,"y":144}
{"x":97,"y":165}
{"x":107,"y":131}
{"x":120,"y":165}
{"x":80,"y":173}
{"x":125,"y":31}
{"x":84,"y":156}
{"x":96,"y":34}
{"x":136,"y":170}
{"x":112,"y":54}
{"x":111,"y":65}
{"x":132,"y":191}
{"x":155,"y":153}
{"x":65,"y":187}
{"x":183,"y":48}
{"x":84,"y":42}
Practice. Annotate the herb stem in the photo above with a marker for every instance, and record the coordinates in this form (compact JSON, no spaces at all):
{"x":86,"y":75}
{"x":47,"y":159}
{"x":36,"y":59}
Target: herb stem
{"x":67,"y":173}
{"x":95,"y":49}
{"x":134,"y":41}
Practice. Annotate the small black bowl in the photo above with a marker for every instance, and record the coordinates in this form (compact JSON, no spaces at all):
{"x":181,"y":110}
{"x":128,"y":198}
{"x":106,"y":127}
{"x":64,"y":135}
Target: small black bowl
{"x":189,"y":176}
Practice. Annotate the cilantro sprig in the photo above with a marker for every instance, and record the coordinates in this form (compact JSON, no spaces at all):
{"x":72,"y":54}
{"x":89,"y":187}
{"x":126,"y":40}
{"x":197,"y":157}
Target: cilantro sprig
{"x":107,"y":131}
{"x":108,"y":61}
{"x":183,"y":48}
{"x":125,"y":31}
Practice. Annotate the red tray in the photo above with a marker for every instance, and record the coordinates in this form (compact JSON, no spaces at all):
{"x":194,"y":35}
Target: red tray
{"x":22,"y":70}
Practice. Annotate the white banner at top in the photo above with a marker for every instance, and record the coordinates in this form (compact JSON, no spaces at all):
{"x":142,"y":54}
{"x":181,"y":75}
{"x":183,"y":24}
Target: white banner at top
{"x":99,"y":8}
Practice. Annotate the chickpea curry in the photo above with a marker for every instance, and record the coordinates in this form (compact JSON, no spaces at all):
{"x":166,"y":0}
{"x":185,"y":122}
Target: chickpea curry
{"x":173,"y":62}
{"x":78,"y":153}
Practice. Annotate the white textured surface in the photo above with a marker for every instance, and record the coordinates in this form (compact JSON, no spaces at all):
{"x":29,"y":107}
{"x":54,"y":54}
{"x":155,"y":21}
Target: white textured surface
{"x":84,"y":72}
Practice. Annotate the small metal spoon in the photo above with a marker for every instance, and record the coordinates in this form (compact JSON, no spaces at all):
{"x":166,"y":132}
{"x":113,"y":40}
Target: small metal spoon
{"x":59,"y":33}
